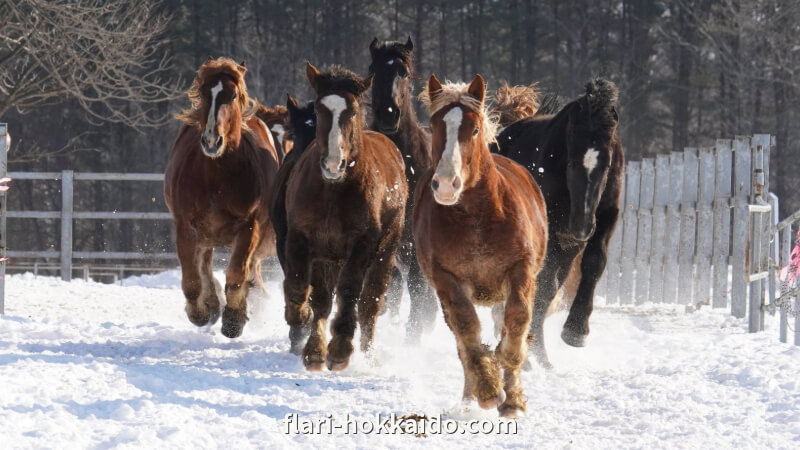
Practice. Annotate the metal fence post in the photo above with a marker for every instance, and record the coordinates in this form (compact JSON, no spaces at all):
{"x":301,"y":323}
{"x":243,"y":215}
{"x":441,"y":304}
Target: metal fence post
{"x":66,"y":225}
{"x":3,"y":208}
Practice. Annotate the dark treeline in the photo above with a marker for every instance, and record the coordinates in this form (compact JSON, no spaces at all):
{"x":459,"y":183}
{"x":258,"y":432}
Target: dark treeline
{"x":688,"y":72}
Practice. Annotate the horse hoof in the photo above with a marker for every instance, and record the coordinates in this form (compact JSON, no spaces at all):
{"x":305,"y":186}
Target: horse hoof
{"x":314,"y":366}
{"x":511,"y":412}
{"x":232,"y":330}
{"x":573,"y":338}
{"x":493,"y":403}
{"x":213,"y":315}
{"x":338,"y":365}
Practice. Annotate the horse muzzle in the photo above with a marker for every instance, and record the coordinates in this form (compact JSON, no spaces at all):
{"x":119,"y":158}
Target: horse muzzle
{"x":331,"y":169}
{"x":215,"y":150}
{"x":582,"y":234}
{"x":446,"y":189}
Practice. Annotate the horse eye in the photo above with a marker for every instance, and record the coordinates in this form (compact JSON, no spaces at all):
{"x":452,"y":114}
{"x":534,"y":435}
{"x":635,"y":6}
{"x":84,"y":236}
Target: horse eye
{"x":475,"y":132}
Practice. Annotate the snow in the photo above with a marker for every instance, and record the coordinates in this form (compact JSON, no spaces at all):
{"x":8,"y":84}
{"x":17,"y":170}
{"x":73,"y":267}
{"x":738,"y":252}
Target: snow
{"x":84,"y":364}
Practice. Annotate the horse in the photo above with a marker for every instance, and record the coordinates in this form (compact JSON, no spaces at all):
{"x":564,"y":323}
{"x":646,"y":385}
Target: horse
{"x":577,"y":159}
{"x":480,"y":225}
{"x":217,"y":186}
{"x":393,"y":115}
{"x":345,"y":204}
{"x":276,"y":120}
{"x":301,"y":129}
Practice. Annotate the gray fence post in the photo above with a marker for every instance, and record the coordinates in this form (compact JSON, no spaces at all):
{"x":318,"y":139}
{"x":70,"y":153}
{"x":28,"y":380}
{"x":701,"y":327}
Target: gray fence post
{"x":755,"y":316}
{"x":3,"y":208}
{"x":645,"y":229}
{"x":705,"y":226}
{"x":629,"y":216}
{"x":673,"y":234}
{"x":742,"y":184}
{"x":688,"y":227}
{"x":66,"y":225}
{"x":722,"y":222}
{"x":657,"y":246}
{"x":614,"y":252}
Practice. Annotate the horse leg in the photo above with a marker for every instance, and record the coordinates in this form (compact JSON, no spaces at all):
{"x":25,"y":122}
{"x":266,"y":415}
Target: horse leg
{"x":234,"y":315}
{"x":576,"y":328}
{"x":191,"y":280}
{"x":394,"y":294}
{"x":513,"y":345}
{"x":209,"y":295}
{"x":296,"y":288}
{"x":351,"y":282}
{"x":321,"y":292}
{"x":481,"y":372}
{"x":377,"y":280}
{"x":423,"y":303}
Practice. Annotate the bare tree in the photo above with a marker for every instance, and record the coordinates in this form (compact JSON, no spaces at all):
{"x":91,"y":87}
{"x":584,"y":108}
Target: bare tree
{"x":106,"y":55}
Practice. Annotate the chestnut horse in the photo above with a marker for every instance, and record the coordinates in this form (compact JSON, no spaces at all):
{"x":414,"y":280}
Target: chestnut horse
{"x":577,"y":159}
{"x":480,"y":226}
{"x":277,"y":121}
{"x":393,"y":115}
{"x":217,"y":186}
{"x":345,"y":201}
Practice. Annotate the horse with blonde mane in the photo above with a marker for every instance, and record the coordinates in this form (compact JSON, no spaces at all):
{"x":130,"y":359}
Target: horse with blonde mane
{"x":480,"y":226}
{"x":217,"y":186}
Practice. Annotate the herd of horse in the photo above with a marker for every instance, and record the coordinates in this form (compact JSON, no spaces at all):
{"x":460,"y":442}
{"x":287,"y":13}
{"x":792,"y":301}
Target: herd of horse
{"x":500,"y":202}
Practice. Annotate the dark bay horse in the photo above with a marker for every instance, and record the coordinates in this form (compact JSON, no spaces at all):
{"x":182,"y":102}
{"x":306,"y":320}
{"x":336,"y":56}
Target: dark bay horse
{"x":345,"y":202}
{"x":577,"y":159}
{"x":480,"y":226}
{"x":302,"y":126}
{"x":217,"y":186}
{"x":393,"y":115}
{"x":276,"y":120}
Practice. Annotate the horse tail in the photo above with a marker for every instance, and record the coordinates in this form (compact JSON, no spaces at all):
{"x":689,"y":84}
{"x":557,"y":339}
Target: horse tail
{"x":602,"y":95}
{"x":512,"y":103}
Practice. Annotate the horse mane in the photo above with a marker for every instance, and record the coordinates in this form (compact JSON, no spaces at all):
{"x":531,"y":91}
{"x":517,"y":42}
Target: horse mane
{"x":512,"y":103}
{"x":550,"y":103}
{"x":277,"y":113}
{"x":337,"y":78}
{"x":194,"y":116}
{"x":602,"y":96}
{"x":453,"y":92}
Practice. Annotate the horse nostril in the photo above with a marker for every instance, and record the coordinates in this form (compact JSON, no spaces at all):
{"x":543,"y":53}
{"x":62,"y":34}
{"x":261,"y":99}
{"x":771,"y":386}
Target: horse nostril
{"x":457,"y":183}
{"x":341,"y":164}
{"x":203,"y":141}
{"x":218,"y":142}
{"x":435,"y":184}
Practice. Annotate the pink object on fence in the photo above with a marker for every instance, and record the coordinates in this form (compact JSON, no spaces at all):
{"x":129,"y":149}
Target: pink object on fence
{"x":791,"y":272}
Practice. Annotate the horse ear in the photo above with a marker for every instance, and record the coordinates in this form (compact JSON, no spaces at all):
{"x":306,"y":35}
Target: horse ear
{"x":366,"y":83}
{"x":243,"y":67}
{"x":477,"y":88}
{"x":373,"y":46}
{"x":409,"y":44}
{"x":291,"y":103}
{"x":312,"y":73}
{"x":434,"y":87}
{"x":210,"y":58}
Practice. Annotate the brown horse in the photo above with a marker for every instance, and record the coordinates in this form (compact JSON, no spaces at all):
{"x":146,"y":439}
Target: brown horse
{"x":480,"y":226}
{"x":344,"y":201}
{"x":217,"y":185}
{"x":277,"y":121}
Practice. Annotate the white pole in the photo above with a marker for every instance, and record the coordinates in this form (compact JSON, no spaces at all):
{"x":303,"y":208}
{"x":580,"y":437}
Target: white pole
{"x":4,"y":144}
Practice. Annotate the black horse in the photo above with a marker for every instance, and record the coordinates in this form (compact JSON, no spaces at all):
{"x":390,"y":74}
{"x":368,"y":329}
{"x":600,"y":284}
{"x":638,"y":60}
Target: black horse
{"x":302,"y":130}
{"x":577,"y":159}
{"x":393,"y":115}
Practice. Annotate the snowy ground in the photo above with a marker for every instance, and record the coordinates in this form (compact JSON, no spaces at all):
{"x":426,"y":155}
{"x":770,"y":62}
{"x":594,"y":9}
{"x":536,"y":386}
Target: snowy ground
{"x":92,"y":365}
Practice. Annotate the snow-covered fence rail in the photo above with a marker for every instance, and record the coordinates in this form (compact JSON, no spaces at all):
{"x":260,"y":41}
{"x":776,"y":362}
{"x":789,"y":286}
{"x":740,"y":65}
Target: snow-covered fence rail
{"x":697,"y":227}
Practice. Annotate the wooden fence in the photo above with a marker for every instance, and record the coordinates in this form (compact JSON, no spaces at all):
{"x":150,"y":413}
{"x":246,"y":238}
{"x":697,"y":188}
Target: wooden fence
{"x":696,"y":227}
